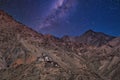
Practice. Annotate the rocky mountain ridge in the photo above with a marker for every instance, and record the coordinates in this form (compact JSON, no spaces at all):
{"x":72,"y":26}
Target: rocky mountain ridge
{"x":28,"y":55}
{"x":91,"y":37}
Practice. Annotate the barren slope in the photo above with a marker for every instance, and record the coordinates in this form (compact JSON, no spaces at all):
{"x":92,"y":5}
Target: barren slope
{"x":28,"y":55}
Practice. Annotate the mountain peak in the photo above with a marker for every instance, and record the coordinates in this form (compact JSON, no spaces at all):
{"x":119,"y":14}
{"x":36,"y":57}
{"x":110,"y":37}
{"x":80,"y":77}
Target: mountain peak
{"x":90,"y":37}
{"x":90,"y":30}
{"x":95,"y":38}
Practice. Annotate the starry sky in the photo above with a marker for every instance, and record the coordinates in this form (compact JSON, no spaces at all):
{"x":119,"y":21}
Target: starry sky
{"x":66,"y":17}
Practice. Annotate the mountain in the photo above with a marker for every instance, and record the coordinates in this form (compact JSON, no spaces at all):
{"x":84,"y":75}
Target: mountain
{"x":91,"y":38}
{"x":28,"y":55}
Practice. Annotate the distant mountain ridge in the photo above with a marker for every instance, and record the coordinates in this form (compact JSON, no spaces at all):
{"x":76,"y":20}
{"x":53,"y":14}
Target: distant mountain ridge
{"x":91,"y":37}
{"x":28,"y":55}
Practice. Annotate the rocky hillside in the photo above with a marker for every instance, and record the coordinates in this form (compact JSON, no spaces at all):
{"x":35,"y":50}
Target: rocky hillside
{"x":28,"y":55}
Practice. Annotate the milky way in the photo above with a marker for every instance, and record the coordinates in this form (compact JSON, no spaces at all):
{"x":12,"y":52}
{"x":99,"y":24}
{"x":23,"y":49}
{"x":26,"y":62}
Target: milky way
{"x":66,"y":17}
{"x":58,"y":3}
{"x":61,"y":9}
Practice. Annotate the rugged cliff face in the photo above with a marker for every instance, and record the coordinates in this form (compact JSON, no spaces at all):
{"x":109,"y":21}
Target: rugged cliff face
{"x":28,"y":55}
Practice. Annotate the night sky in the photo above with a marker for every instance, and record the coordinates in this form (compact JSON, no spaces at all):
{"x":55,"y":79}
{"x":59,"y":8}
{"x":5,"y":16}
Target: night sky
{"x":66,"y":17}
